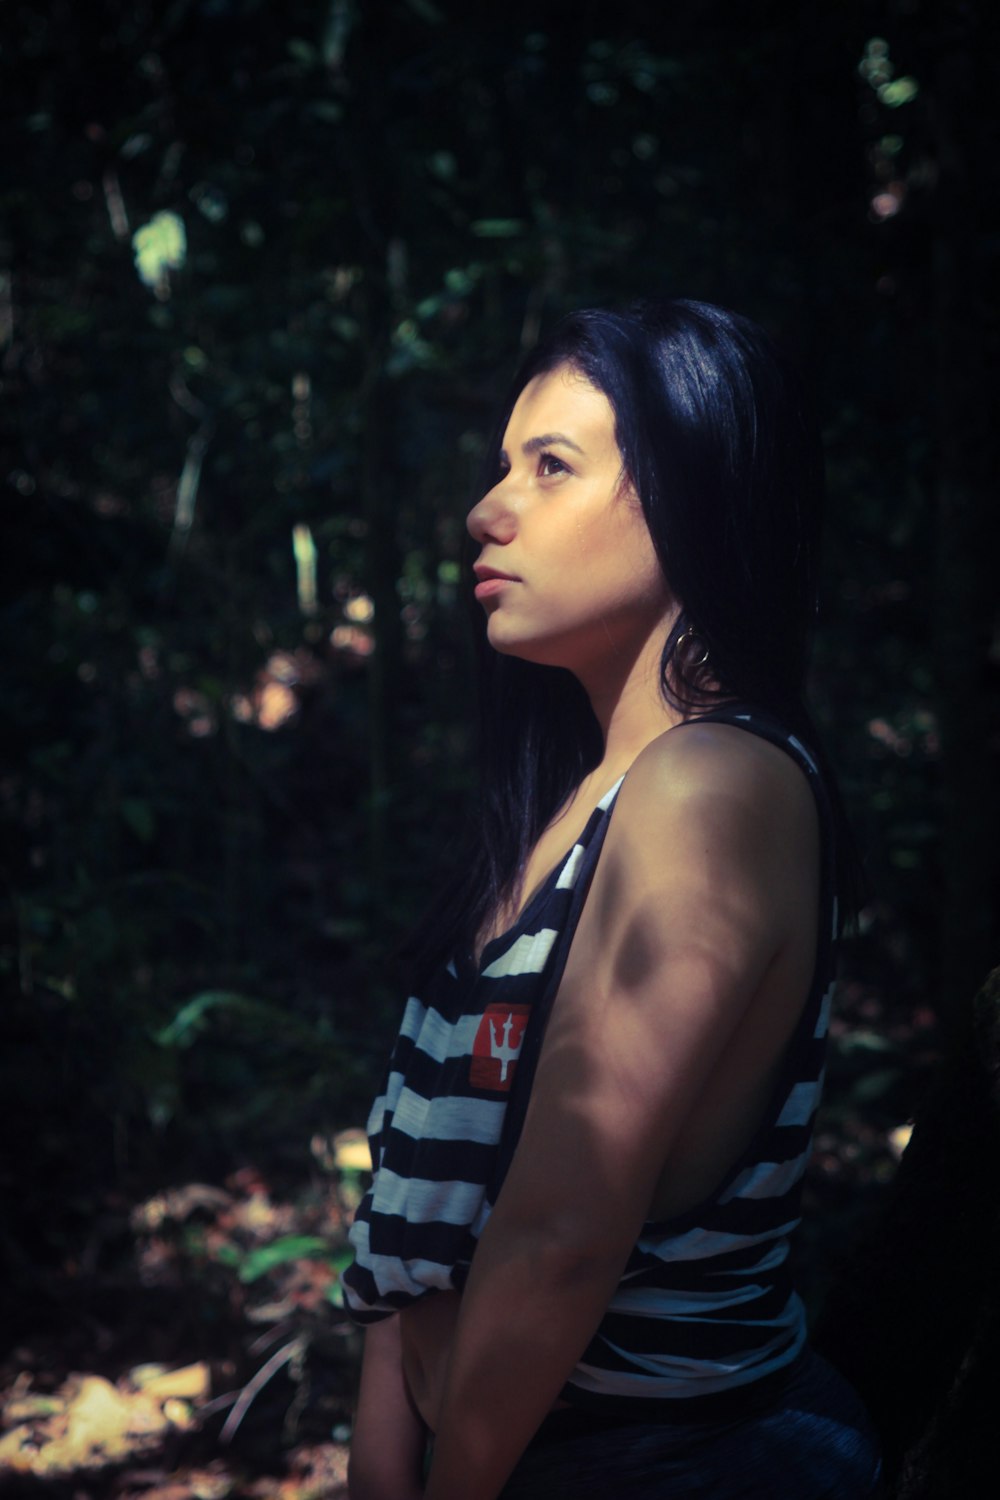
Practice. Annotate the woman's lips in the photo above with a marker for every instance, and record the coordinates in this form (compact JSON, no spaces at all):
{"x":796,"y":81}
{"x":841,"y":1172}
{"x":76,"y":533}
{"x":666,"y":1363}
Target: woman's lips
{"x":490,"y":580}
{"x":488,"y":586}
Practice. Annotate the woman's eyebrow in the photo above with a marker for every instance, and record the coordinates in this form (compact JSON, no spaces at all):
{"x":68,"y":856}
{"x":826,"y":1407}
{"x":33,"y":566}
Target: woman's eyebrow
{"x":544,"y":440}
{"x":548,"y":440}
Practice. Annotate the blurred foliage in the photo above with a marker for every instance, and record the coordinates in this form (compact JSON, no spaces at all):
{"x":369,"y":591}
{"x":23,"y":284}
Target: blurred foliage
{"x":264,"y":271}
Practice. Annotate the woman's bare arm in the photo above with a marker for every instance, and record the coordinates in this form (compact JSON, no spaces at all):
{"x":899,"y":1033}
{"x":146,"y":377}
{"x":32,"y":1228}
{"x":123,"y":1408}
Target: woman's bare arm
{"x":690,"y":908}
{"x":387,"y":1447}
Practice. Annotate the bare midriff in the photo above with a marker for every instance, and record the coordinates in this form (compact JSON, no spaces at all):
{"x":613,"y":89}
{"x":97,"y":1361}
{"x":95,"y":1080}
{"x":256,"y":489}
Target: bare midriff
{"x":427,"y":1328}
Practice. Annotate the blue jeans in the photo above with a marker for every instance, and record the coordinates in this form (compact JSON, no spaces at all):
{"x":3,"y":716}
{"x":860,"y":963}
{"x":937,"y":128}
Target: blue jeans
{"x":814,"y":1443}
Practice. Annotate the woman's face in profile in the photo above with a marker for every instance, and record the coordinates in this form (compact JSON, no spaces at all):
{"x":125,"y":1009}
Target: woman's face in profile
{"x":580,"y":581}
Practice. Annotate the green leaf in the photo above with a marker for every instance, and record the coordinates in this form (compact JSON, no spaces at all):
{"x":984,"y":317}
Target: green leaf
{"x":426,"y":11}
{"x":193,"y":1016}
{"x":228,"y":1255}
{"x":159,"y":246}
{"x":898,"y":91}
{"x":280,"y":1252}
{"x":138,"y":814}
{"x":326,"y":110}
{"x":497,"y":229}
{"x":340,"y":1263}
{"x":862,"y":1040}
{"x":303,"y":51}
{"x":874,"y":1085}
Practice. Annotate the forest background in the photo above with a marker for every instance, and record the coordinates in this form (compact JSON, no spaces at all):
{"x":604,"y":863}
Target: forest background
{"x":265,"y":271}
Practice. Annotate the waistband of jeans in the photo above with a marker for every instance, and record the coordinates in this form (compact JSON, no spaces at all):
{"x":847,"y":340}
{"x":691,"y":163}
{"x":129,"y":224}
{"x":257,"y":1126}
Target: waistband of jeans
{"x":598,"y":1413}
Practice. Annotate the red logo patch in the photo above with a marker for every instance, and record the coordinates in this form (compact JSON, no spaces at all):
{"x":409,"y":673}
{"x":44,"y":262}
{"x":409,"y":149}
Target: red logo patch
{"x":498,"y":1046}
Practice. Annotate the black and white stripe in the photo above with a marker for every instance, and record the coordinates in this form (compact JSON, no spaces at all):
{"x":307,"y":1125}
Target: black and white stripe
{"x":705,"y":1303}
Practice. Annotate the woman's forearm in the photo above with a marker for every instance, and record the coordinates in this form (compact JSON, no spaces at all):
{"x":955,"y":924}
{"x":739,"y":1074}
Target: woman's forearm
{"x":387,"y":1447}
{"x":528,"y":1312}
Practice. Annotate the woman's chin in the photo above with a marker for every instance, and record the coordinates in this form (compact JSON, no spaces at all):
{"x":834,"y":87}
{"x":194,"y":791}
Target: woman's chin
{"x":543,"y":650}
{"x":511,"y":642}
{"x":504,"y":637}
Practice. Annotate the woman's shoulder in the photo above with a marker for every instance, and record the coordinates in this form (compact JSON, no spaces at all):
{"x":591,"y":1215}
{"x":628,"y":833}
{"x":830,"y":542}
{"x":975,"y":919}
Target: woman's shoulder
{"x":714,"y":804}
{"x":703,"y":757}
{"x":715,"y":835}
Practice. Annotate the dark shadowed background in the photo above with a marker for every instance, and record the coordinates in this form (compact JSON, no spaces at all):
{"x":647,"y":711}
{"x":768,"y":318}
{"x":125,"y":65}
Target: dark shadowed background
{"x":265,"y":270}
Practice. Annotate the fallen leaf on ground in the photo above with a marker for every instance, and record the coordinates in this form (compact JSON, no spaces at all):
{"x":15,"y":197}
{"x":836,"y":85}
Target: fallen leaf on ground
{"x":90,"y":1423}
{"x":191,"y":1381}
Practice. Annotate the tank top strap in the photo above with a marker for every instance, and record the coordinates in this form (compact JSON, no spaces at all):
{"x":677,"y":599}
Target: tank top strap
{"x":517,"y":1103}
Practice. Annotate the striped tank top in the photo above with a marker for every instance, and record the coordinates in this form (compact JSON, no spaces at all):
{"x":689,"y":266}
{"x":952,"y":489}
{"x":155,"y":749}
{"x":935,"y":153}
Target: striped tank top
{"x":705,"y":1308}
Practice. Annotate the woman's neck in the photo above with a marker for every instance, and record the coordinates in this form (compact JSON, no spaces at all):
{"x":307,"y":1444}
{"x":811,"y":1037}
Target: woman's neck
{"x":629,"y":705}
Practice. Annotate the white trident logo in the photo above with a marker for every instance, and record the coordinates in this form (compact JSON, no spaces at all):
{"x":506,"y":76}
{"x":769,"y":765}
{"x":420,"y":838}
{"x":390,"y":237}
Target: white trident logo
{"x":502,"y":1049}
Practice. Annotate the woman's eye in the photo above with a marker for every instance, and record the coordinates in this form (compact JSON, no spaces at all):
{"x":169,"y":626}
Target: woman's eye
{"x":548,"y":465}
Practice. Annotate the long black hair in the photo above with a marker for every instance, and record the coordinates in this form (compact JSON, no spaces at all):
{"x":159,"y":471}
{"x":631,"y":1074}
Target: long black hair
{"x":716,"y":440}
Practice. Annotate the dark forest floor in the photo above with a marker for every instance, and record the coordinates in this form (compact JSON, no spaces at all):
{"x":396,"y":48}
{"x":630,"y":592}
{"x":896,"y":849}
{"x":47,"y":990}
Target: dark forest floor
{"x":191,"y":1344}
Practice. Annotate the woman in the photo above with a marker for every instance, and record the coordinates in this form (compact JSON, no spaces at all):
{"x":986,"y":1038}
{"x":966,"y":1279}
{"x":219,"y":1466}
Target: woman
{"x":592,"y":1134}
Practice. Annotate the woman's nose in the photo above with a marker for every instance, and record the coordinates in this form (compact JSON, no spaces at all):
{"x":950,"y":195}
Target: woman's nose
{"x":492,"y":519}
